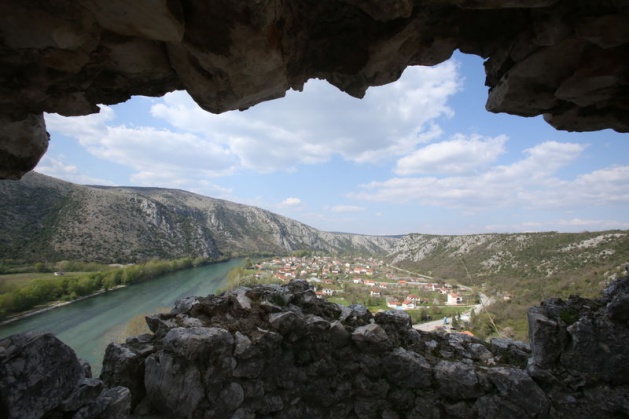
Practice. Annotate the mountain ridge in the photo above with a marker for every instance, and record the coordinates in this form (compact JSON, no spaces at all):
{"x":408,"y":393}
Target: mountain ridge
{"x":44,"y":217}
{"x":60,"y":220}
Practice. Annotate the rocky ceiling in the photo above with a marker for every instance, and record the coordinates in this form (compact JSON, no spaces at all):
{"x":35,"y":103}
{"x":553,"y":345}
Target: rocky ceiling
{"x":565,"y":59}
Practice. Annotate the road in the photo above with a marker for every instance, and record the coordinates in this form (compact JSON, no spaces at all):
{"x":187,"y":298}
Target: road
{"x":432,"y":325}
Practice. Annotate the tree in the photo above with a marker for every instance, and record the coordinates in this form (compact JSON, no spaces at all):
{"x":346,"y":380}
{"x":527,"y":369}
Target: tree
{"x":455,"y":323}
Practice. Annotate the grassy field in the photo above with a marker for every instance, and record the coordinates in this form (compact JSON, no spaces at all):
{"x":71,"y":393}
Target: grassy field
{"x":436,"y":312}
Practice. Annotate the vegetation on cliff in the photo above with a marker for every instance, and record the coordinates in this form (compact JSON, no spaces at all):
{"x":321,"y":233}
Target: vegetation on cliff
{"x":518,"y":270}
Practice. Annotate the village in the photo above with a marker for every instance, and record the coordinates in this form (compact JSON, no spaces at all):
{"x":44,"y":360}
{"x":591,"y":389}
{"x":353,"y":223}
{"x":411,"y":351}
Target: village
{"x":371,"y":282}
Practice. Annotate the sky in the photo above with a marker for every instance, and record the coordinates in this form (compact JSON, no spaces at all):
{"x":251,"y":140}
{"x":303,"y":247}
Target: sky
{"x":421,"y":155}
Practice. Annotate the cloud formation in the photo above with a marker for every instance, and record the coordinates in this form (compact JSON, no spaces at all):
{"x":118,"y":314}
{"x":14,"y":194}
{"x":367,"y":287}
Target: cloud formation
{"x":347,"y":208}
{"x":311,"y":127}
{"x":461,"y":154}
{"x":531,"y":182}
{"x":291,"y":202}
{"x":69,"y":172}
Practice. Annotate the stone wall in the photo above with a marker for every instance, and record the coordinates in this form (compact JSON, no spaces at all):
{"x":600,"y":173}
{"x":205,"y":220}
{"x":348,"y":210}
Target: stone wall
{"x":279,"y":351}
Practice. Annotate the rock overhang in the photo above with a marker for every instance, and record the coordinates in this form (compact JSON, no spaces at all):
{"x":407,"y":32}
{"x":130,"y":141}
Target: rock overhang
{"x":565,"y":59}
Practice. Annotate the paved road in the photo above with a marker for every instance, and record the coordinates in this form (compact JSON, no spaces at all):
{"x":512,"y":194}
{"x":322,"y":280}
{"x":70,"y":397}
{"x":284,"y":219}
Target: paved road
{"x":432,"y":325}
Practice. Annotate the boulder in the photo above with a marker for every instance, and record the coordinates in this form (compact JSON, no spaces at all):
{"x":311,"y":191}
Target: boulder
{"x":37,"y":373}
{"x":40,"y":376}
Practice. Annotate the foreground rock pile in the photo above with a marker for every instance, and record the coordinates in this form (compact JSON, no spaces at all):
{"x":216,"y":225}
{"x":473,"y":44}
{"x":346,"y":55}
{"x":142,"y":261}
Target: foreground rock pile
{"x":279,"y":351}
{"x":565,"y":59}
{"x":41,"y":376}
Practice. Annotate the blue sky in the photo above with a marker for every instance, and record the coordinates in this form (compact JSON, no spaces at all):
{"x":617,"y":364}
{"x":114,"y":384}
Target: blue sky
{"x":421,"y":155}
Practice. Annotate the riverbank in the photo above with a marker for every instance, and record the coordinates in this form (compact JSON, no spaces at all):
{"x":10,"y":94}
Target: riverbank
{"x":54,"y":305}
{"x":35,"y":296}
{"x":89,"y":325}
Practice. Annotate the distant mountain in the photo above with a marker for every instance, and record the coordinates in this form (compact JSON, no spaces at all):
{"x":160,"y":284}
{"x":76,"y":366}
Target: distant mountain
{"x":45,"y":218}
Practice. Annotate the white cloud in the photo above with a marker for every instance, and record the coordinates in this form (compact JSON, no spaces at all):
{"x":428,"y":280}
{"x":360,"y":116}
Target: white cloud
{"x":291,"y":202}
{"x":531,"y":182}
{"x":580,"y":224}
{"x":347,"y":208}
{"x":303,"y":128}
{"x":564,"y":225}
{"x":68,"y":172}
{"x":144,"y":149}
{"x":312,"y":126}
{"x":460,"y":154}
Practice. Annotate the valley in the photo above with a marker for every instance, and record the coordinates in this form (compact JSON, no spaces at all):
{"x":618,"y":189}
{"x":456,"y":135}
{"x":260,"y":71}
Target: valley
{"x":46,"y":220}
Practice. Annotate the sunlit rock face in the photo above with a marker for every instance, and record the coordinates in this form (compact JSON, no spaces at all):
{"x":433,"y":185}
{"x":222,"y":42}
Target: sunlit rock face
{"x":565,"y":59}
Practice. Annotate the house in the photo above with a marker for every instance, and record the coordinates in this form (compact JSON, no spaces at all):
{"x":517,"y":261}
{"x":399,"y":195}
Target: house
{"x":374,"y":293}
{"x":357,"y":281}
{"x":394,"y":305}
{"x":414,"y":298}
{"x":454,"y":299}
{"x":327,"y":291}
{"x":281,"y":277}
{"x":408,"y":305}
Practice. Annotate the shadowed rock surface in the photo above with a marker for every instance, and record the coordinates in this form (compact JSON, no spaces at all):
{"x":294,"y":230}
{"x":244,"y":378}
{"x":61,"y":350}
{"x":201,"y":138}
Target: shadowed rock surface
{"x":565,"y":59}
{"x":40,"y":376}
{"x":279,"y":351}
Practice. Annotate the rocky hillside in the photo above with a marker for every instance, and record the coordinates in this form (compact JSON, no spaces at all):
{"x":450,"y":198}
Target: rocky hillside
{"x":43,"y":217}
{"x":518,"y":270}
{"x":484,"y":257}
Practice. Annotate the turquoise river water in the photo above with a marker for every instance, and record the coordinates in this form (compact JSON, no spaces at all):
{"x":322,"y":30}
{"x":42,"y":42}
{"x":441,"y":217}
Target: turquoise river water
{"x":88,"y":326}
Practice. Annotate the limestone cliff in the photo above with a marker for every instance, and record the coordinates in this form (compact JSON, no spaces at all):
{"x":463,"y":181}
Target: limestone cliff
{"x":279,"y":351}
{"x":565,"y":59}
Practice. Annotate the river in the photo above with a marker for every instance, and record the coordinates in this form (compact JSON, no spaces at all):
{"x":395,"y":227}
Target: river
{"x":88,"y":326}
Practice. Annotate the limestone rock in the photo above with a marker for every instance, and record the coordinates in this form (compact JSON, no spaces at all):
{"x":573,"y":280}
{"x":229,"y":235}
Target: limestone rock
{"x":37,"y":372}
{"x":124,"y":366}
{"x":564,"y":59}
{"x":112,"y":403}
{"x":408,"y":368}
{"x":457,"y":380}
{"x":521,"y":392}
{"x":548,"y":337}
{"x":87,"y":390}
{"x":23,"y":141}
{"x":40,"y":376}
